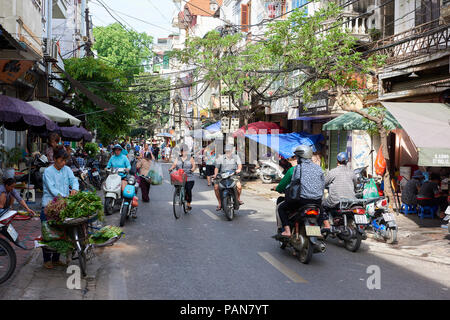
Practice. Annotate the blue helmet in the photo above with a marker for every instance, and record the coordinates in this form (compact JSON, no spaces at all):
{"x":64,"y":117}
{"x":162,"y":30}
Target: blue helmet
{"x":342,"y":157}
{"x":117,"y":146}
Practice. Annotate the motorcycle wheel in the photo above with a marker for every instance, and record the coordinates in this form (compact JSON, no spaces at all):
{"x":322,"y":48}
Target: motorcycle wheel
{"x":123,"y":215}
{"x":354,"y":243}
{"x":391,"y":236}
{"x":228,"y":208}
{"x":305,"y":255}
{"x":7,"y":260}
{"x":109,"y":206}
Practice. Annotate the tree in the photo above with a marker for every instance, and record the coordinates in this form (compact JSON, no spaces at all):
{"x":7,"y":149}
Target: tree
{"x":125,"y":49}
{"x":318,"y":47}
{"x":108,"y":83}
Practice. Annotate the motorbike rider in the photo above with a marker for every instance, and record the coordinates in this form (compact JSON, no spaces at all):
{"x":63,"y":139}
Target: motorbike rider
{"x":224,"y":163}
{"x":311,"y":179}
{"x":341,"y":182}
{"x":118,"y":160}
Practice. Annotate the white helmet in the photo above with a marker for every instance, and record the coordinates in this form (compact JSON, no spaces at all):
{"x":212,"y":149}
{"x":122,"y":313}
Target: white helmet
{"x":303,"y":151}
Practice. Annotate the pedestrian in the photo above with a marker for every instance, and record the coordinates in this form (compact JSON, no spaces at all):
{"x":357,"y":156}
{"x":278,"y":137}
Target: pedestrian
{"x":8,"y":193}
{"x":430,"y":194}
{"x":143,"y":166}
{"x":186,"y":162}
{"x":58,"y":180}
{"x":167,"y":151}
{"x":411,"y":189}
{"x":53,"y":140}
{"x":210,"y":154}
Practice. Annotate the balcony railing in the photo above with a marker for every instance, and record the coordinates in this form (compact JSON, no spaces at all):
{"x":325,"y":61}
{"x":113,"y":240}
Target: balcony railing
{"x":425,"y":39}
{"x":354,"y":22}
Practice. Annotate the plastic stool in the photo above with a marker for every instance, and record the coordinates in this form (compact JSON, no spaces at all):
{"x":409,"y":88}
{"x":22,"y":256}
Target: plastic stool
{"x":427,"y":211}
{"x":31,"y":195}
{"x":406,"y":209}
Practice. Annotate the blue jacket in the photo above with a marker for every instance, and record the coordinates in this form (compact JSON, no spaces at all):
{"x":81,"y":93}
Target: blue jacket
{"x":119,"y":161}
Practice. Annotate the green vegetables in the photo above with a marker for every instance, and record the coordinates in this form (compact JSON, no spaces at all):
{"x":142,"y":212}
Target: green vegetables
{"x":82,"y":204}
{"x":104,"y":234}
{"x":61,"y":246}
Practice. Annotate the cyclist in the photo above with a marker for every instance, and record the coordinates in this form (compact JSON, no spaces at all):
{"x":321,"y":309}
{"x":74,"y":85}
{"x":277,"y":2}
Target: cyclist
{"x":186,"y":162}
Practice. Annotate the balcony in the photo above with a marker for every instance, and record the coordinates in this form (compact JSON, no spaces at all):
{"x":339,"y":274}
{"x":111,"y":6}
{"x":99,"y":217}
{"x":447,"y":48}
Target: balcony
{"x":425,"y":39}
{"x":60,"y":9}
{"x":355,"y":23}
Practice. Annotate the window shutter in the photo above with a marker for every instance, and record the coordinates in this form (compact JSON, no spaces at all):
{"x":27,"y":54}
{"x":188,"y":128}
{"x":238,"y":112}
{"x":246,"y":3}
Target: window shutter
{"x":244,"y":18}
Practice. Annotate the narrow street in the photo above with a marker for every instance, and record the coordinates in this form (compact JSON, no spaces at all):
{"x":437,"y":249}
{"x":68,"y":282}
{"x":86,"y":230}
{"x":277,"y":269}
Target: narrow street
{"x":204,"y":256}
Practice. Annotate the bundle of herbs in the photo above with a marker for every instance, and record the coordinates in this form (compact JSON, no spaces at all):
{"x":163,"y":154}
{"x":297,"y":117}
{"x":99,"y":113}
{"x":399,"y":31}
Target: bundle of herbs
{"x":82,"y":204}
{"x":61,"y":246}
{"x":104,"y":234}
{"x":54,"y":208}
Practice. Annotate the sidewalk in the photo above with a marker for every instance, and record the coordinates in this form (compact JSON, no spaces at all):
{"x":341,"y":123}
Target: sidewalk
{"x":421,"y":239}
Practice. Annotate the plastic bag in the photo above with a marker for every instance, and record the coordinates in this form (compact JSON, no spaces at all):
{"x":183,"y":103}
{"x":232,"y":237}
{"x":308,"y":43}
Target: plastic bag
{"x":49,"y":233}
{"x":370,"y":190}
{"x":178,"y":177}
{"x":380,"y":163}
{"x":155,"y":173}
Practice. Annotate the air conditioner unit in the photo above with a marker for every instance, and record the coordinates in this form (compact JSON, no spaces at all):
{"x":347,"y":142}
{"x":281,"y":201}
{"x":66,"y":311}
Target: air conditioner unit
{"x":54,"y":51}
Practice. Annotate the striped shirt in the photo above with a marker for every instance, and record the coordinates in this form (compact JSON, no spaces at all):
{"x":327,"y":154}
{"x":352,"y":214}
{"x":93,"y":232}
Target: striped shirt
{"x":341,"y":181}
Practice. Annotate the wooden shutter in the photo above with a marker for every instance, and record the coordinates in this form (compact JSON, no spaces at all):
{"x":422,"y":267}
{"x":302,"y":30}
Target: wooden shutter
{"x":244,"y":18}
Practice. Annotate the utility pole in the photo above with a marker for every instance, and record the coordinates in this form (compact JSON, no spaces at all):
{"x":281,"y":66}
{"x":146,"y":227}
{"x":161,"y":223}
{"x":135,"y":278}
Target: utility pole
{"x":88,"y":44}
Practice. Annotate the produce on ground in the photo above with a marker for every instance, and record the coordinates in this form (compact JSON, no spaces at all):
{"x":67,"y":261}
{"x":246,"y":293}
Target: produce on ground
{"x":104,"y":234}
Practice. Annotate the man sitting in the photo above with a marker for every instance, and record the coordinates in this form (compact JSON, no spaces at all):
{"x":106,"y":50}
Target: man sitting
{"x":8,"y":194}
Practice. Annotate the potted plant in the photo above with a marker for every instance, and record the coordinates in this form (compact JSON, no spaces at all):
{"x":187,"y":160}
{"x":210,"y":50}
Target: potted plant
{"x":10,"y":159}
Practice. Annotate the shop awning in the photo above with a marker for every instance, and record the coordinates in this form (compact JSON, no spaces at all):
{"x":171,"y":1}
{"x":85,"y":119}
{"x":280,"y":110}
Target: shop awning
{"x":428,"y":126}
{"x":355,"y":121}
{"x":55,"y":114}
{"x":285,"y":143}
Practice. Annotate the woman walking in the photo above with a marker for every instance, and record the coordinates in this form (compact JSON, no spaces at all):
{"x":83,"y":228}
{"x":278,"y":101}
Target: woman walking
{"x":210,"y":154}
{"x":187,"y":163}
{"x":143,"y":166}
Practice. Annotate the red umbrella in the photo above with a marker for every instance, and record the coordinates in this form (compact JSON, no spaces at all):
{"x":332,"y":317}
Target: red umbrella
{"x":259,"y":128}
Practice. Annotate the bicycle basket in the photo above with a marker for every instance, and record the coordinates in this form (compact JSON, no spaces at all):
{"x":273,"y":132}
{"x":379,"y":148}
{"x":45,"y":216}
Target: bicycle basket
{"x":178,"y":178}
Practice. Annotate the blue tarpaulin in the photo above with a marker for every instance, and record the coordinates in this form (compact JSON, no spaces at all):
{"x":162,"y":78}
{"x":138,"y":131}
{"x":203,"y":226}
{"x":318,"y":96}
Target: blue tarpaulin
{"x":285,"y":143}
{"x":214,"y":127}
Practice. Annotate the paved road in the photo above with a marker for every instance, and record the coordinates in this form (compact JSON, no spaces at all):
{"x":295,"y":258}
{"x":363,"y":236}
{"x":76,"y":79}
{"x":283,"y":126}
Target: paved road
{"x":204,"y":256}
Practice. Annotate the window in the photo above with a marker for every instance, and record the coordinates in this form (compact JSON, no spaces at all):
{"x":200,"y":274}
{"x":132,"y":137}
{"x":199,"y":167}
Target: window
{"x":427,"y":11}
{"x":275,"y":9}
{"x":302,"y":4}
{"x":2,"y":136}
{"x":244,"y":17}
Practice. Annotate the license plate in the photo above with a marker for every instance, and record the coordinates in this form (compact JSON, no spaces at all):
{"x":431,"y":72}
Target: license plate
{"x":12,"y":232}
{"x":388,"y":217}
{"x":313,"y":231}
{"x":95,"y":173}
{"x":361,"y":219}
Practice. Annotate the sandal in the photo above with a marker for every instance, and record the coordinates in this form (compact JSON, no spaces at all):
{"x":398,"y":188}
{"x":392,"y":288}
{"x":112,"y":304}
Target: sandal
{"x":241,"y":203}
{"x":48,"y":265}
{"x":218,"y":208}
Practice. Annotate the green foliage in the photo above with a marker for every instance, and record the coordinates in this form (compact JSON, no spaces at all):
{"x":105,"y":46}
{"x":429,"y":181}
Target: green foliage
{"x":104,"y":234}
{"x":106,"y":82}
{"x":61,"y":246}
{"x":82,"y":204}
{"x":124,"y":49}
{"x":91,"y":149}
{"x":10,"y":157}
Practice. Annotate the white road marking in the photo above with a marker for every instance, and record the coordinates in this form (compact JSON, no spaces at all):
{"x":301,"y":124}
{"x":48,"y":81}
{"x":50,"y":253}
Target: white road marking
{"x":210,"y":214}
{"x":282,"y":268}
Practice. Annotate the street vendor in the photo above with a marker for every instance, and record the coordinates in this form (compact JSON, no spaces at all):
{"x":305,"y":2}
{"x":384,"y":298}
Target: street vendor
{"x":53,"y":140}
{"x":58,"y":181}
{"x":8,"y":194}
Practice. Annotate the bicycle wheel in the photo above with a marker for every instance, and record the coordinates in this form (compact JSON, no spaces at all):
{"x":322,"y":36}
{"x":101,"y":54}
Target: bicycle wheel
{"x":183,"y":200}
{"x":177,"y":203}
{"x":7,"y":260}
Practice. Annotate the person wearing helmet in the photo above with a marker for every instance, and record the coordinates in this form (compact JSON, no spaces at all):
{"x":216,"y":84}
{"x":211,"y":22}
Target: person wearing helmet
{"x":311,"y":179}
{"x":118,"y":160}
{"x":227,"y":162}
{"x":341,"y":182}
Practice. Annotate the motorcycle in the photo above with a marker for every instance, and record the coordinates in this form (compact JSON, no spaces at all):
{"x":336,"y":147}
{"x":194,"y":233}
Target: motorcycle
{"x":447,"y":219}
{"x":112,"y":188}
{"x":129,"y":200}
{"x":270,"y":171}
{"x":7,"y":253}
{"x":228,"y":193}
{"x":306,"y":237}
{"x":39,"y":163}
{"x":93,"y":168}
{"x":382,"y":222}
{"x":249,"y":171}
{"x":348,"y":223}
{"x":82,"y":174}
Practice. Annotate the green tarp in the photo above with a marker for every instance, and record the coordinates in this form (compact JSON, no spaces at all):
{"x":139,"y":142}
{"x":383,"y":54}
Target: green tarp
{"x":354,"y":121}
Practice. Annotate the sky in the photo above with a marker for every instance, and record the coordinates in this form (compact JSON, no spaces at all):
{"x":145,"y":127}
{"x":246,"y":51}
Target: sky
{"x":156,"y":15}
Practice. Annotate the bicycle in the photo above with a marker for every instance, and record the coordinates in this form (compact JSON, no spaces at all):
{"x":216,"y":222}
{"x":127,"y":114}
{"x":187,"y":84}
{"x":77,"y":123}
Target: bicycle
{"x":179,"y":200}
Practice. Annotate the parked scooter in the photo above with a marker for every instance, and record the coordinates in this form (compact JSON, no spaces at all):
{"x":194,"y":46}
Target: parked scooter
{"x":228,"y":193}
{"x":40,"y":162}
{"x":270,"y":171}
{"x":82,"y":174}
{"x":93,"y":167}
{"x":130,"y":201}
{"x":7,"y":253}
{"x":349,"y":223}
{"x":112,"y":189}
{"x":447,"y":219}
{"x":306,"y":237}
{"x":382,"y":222}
